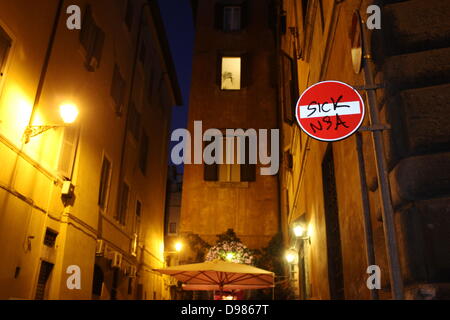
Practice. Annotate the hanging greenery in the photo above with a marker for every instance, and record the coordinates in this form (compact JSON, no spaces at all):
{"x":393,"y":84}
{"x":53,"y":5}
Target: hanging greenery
{"x":230,"y":248}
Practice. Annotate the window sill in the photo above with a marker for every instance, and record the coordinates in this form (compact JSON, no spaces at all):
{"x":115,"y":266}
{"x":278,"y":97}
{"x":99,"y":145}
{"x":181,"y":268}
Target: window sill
{"x":225,"y":184}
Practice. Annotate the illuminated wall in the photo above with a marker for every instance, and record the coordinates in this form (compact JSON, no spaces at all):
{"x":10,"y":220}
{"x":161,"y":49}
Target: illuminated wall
{"x":32,"y":174}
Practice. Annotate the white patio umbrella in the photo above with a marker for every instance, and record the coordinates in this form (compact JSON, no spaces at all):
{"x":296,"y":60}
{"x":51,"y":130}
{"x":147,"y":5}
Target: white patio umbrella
{"x":220,"y":275}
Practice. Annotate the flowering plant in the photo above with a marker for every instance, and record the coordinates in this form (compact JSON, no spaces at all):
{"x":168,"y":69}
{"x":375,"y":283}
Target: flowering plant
{"x":233,"y":251}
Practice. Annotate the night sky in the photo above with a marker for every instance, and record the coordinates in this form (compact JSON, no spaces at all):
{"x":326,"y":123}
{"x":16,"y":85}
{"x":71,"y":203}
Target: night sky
{"x":177,"y":15}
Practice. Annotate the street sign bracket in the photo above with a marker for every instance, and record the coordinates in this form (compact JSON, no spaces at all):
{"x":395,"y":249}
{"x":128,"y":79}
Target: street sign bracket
{"x":375,"y":127}
{"x":374,"y":87}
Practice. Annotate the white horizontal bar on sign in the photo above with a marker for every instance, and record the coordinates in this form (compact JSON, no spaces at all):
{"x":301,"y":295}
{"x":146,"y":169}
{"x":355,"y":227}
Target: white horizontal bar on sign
{"x":317,"y":110}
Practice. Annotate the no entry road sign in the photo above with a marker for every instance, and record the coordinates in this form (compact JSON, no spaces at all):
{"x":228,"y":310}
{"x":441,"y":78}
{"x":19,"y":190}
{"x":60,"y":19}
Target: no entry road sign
{"x":330,"y":111}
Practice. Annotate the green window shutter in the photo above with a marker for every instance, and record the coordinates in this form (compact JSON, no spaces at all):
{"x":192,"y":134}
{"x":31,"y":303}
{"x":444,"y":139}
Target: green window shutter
{"x":248,"y":170}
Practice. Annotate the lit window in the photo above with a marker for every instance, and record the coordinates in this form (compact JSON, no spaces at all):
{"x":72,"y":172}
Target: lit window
{"x":231,"y":73}
{"x":231,"y":18}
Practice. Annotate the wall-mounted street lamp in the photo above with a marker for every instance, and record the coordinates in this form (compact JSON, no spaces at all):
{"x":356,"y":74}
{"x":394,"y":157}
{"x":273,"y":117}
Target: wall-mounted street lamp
{"x":301,"y":232}
{"x":291,"y":256}
{"x":174,"y":255}
{"x":68,"y":112}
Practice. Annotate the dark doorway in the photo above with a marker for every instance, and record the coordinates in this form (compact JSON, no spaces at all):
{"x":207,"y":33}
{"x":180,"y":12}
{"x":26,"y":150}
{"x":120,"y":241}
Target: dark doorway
{"x":97,"y":283}
{"x":334,"y":253}
{"x":44,"y":274}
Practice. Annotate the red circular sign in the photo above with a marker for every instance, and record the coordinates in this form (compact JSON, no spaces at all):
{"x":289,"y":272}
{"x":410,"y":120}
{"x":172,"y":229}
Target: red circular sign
{"x":330,"y":111}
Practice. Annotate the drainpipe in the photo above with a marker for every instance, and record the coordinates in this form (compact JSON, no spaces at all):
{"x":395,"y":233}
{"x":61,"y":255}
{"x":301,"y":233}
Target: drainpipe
{"x":382,"y":172}
{"x":367,"y":223}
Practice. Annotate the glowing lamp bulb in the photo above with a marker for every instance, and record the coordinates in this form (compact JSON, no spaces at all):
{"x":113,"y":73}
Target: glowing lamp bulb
{"x":230,"y":256}
{"x":291,"y":256}
{"x":68,"y":112}
{"x":178,"y":246}
{"x":299,"y":231}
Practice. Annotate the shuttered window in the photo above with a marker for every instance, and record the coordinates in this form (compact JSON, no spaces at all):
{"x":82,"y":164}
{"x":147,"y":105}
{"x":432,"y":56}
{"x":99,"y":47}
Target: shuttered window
{"x":50,"y":238}
{"x":129,"y":14}
{"x":248,"y":170}
{"x":123,"y":204}
{"x":290,"y":88}
{"x":143,"y":153}
{"x":118,"y":89}
{"x":134,"y":119}
{"x":231,"y":172}
{"x":231,"y":17}
{"x":137,"y":224}
{"x":68,"y":151}
{"x":172,"y":228}
{"x":210,"y":171}
{"x":92,"y":39}
{"x":5,"y":46}
{"x":142,"y":53}
{"x":44,"y":274}
{"x":105,"y":179}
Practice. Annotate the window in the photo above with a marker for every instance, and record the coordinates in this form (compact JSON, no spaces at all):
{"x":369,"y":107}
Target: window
{"x":130,"y":286}
{"x":136,"y":228}
{"x":68,"y":151}
{"x":123,"y":204}
{"x":134,"y":119}
{"x":231,"y":18}
{"x":143,"y":153}
{"x":172,"y":228}
{"x":151,"y":77}
{"x":105,"y":178}
{"x":142,"y":53}
{"x":92,"y":39}
{"x":290,"y":88}
{"x":97,"y":282}
{"x":231,"y":73}
{"x":137,"y":224}
{"x":44,"y":274}
{"x":231,"y":172}
{"x":118,"y":89}
{"x":50,"y":238}
{"x":304,"y":10}
{"x":5,"y":46}
{"x":129,"y":14}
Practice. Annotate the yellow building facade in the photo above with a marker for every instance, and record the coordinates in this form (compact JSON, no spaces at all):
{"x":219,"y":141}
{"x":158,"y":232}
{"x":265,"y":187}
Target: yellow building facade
{"x":82,"y":205}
